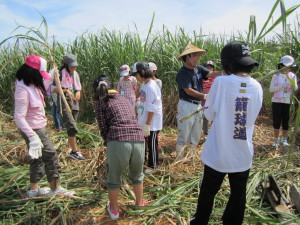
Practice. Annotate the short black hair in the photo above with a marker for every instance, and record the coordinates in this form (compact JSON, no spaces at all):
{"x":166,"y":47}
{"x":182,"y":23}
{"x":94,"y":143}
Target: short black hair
{"x":30,"y":76}
{"x":147,"y":73}
{"x":185,"y":56}
{"x":232,"y":67}
{"x":280,"y":65}
{"x":63,"y":67}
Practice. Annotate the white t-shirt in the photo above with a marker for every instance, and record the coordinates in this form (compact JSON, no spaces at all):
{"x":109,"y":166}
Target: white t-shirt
{"x":150,"y":102}
{"x":233,"y":105}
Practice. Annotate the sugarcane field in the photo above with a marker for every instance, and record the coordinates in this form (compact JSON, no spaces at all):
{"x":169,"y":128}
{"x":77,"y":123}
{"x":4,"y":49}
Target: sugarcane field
{"x":77,"y":148}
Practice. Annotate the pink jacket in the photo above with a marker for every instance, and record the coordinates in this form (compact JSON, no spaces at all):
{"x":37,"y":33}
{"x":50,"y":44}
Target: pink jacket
{"x":72,"y":83}
{"x":29,"y":108}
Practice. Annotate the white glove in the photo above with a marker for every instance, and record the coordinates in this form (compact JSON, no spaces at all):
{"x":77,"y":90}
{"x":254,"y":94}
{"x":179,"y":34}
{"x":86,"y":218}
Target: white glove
{"x":146,"y":130}
{"x":35,"y":147}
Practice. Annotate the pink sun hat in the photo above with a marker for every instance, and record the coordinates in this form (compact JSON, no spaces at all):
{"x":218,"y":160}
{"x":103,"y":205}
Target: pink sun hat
{"x":39,"y":63}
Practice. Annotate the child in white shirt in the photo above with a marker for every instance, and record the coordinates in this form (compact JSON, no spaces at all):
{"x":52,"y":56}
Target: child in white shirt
{"x":149,"y":112}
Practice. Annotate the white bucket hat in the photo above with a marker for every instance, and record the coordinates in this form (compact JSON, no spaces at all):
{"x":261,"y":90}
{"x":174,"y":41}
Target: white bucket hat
{"x":124,"y":70}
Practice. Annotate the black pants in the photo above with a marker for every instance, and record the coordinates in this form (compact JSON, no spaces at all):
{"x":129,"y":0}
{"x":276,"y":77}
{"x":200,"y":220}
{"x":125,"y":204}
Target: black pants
{"x":152,"y":143}
{"x":211,"y":183}
{"x":281,"y":115}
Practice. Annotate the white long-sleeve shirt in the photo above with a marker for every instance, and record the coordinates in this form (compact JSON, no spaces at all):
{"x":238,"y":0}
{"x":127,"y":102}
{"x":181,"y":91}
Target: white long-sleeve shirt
{"x":233,"y":105}
{"x":282,"y":88}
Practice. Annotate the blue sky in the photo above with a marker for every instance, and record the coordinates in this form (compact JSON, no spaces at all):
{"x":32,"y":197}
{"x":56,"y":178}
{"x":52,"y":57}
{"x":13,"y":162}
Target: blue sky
{"x":68,"y":18}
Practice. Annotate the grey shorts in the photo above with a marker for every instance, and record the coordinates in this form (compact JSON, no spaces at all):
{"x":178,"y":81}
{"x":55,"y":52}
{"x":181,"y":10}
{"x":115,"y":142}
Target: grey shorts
{"x":123,"y":155}
{"x":48,"y":163}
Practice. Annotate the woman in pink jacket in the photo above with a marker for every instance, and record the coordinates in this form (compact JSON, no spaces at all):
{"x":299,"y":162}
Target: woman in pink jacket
{"x":31,"y":84}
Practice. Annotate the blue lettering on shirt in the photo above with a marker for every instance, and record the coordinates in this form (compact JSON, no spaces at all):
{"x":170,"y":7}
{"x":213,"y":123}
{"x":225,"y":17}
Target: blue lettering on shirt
{"x":240,"y":118}
{"x":241,"y":104}
{"x":240,"y":133}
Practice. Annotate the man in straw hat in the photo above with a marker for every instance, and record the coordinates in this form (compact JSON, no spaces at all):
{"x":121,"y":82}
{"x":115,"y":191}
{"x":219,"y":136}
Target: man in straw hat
{"x":189,"y":80}
{"x":233,"y":102}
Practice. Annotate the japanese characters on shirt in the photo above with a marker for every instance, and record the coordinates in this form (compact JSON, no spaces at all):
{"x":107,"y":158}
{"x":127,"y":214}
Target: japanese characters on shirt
{"x":240,"y":118}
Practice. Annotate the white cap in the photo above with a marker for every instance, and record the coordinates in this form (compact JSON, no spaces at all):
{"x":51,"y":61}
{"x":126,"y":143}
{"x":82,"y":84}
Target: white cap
{"x":287,"y":60}
{"x":152,"y":66}
{"x":209,"y":63}
{"x":124,"y":70}
{"x":134,"y":68}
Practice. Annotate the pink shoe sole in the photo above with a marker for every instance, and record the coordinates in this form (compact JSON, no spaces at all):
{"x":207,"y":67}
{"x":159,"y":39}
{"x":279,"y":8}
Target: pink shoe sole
{"x":144,"y":203}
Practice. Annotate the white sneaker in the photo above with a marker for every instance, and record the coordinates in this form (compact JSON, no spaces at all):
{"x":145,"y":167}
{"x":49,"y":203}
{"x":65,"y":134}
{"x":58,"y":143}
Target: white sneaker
{"x":148,"y":171}
{"x":284,"y":142}
{"x":62,"y":192}
{"x":37,"y":193}
{"x":114,"y":214}
{"x":276,"y":143}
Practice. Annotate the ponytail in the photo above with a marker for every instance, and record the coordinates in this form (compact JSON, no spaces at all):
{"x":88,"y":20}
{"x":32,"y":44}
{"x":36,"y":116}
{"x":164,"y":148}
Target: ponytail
{"x":101,"y":86}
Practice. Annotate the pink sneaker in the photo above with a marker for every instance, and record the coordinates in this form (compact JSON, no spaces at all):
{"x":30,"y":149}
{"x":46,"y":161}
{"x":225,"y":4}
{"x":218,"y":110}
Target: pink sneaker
{"x":114,"y":214}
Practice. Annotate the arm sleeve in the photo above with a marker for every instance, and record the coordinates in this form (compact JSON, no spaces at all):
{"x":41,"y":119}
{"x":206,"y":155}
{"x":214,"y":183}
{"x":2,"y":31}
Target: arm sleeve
{"x":274,"y":88}
{"x":203,"y":71}
{"x":118,"y":87}
{"x":134,"y":83}
{"x":21,"y":106}
{"x":100,"y":115}
{"x":77,"y":84}
{"x":296,"y":84}
{"x":152,"y":97}
{"x":210,"y":102}
{"x":159,"y":82}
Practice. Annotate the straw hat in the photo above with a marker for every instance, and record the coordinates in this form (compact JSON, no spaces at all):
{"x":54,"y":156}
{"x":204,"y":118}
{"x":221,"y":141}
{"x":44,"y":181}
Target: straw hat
{"x":191,"y":49}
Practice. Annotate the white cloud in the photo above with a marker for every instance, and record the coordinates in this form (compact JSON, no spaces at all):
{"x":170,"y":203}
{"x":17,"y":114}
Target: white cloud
{"x":69,"y":18}
{"x":10,"y":20}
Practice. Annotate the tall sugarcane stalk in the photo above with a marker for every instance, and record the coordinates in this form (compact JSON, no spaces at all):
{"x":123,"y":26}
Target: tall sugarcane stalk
{"x":57,"y":80}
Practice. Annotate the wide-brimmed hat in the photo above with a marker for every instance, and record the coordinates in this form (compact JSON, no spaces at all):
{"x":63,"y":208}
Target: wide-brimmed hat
{"x":39,"y":63}
{"x":239,"y":52}
{"x":189,"y":49}
{"x":70,"y":60}
{"x":287,"y":60}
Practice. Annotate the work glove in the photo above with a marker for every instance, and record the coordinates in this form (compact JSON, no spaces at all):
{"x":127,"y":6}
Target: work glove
{"x":146,"y":130}
{"x":35,"y":147}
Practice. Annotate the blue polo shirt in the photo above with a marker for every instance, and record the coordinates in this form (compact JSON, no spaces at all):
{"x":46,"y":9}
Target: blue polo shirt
{"x":191,"y":78}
